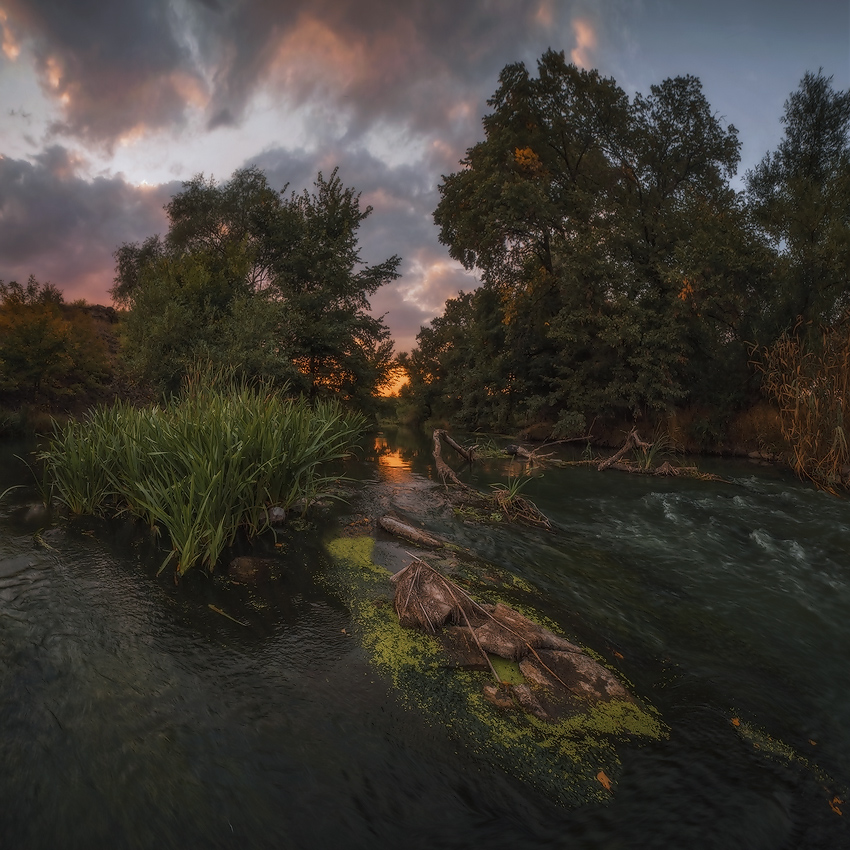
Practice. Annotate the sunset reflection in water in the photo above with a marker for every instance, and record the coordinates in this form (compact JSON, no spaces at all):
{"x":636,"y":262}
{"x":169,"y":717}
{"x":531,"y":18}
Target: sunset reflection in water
{"x":391,"y":464}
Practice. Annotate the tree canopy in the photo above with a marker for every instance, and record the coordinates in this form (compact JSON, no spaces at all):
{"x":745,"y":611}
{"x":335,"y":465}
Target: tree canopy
{"x":800,"y":195}
{"x":250,"y":277}
{"x":617,"y":261}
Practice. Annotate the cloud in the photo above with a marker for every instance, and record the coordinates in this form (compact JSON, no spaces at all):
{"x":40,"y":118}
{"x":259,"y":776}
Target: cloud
{"x":62,"y":225}
{"x":114,"y":70}
{"x":585,"y":36}
{"x":117,"y":71}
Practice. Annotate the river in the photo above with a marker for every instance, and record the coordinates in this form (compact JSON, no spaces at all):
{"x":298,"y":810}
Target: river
{"x":136,"y":713}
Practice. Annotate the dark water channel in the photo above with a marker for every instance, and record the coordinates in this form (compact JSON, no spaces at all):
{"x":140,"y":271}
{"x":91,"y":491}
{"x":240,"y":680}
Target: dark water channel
{"x":133,"y":714}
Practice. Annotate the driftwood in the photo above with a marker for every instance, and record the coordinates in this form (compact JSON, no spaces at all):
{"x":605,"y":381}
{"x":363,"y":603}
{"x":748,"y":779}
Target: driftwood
{"x":510,"y":503}
{"x":445,"y":472}
{"x":408,"y":532}
{"x":632,"y":441}
{"x":467,"y":454}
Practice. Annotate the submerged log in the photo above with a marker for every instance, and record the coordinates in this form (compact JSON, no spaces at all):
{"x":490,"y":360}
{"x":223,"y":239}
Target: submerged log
{"x":445,"y":472}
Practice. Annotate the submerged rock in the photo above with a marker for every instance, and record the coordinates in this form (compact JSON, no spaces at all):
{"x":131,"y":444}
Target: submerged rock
{"x":250,"y":570}
{"x":558,"y":738}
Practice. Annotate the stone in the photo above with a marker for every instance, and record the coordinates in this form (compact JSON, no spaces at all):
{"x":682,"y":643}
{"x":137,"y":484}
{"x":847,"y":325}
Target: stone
{"x":277,"y":515}
{"x":578,"y":673}
{"x":461,"y":649}
{"x":247,"y":569}
{"x":509,"y":635}
{"x":499,"y":695}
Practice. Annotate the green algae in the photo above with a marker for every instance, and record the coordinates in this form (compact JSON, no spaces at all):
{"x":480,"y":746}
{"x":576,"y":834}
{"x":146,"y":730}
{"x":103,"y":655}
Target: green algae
{"x":507,"y":671}
{"x":564,"y":760}
{"x":357,"y":551}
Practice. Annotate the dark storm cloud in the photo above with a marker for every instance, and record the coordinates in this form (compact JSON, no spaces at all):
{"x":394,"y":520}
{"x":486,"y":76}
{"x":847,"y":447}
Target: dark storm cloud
{"x":62,"y":226}
{"x":117,"y":69}
{"x":112,"y":68}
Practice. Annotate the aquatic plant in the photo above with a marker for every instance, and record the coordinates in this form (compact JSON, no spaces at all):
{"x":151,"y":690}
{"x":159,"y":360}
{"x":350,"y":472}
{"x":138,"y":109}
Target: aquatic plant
{"x":646,"y":456}
{"x":202,"y":466}
{"x":510,"y":501}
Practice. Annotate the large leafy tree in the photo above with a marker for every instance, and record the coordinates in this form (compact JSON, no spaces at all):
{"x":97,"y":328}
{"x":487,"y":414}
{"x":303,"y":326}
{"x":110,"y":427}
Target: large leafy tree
{"x":801,"y":197}
{"x":605,"y":225}
{"x":254,"y":279}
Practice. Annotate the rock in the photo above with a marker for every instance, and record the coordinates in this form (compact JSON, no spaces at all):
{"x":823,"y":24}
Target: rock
{"x":578,"y":673}
{"x":461,"y":649}
{"x":509,"y":635}
{"x":528,"y":702}
{"x":434,"y":603}
{"x":250,"y":570}
{"x":499,"y":695}
{"x":277,"y":515}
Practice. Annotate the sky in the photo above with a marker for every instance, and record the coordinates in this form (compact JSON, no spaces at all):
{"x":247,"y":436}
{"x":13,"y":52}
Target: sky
{"x":106,"y":106}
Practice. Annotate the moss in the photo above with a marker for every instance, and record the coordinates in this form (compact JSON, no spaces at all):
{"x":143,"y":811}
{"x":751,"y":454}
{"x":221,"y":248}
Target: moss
{"x":564,"y":760}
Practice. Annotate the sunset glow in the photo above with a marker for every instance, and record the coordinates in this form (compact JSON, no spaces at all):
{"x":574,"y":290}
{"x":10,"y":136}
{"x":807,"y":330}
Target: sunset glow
{"x":585,"y":43}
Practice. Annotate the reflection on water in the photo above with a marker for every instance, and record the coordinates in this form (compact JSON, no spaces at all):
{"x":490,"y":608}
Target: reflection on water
{"x":393,"y":466}
{"x":134,"y":715}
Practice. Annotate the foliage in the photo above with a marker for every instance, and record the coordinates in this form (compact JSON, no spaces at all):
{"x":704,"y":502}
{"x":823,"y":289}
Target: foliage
{"x":809,"y":379}
{"x":203,"y":466}
{"x":249,"y":277}
{"x":801,"y":197}
{"x":618,"y":266}
{"x":48,"y":350}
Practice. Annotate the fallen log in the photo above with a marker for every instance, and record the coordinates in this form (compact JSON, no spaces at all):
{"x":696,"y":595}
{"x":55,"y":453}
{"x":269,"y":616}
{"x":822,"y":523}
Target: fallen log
{"x":632,"y":441}
{"x":445,"y":472}
{"x":409,"y":533}
{"x":467,"y":454}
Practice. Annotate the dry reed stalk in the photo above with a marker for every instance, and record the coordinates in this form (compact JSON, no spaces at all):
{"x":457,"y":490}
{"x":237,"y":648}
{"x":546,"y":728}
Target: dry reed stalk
{"x":809,"y":380}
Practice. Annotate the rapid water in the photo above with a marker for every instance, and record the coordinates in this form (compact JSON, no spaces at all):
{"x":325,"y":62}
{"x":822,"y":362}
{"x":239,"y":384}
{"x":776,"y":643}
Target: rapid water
{"x":133,"y":714}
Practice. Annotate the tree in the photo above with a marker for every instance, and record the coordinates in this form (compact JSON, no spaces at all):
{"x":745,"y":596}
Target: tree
{"x":48,"y":351}
{"x":604,"y":226}
{"x":251,"y":278}
{"x":800,"y":195}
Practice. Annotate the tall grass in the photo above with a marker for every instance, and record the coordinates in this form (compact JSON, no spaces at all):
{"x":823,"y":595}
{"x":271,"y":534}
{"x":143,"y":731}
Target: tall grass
{"x":203,"y":466}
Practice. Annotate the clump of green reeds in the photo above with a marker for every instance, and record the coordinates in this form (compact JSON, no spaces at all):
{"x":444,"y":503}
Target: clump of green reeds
{"x":201,"y":467}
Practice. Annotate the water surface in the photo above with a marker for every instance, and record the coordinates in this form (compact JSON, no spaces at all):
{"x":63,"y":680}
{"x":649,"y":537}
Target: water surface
{"x":135,"y":715}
